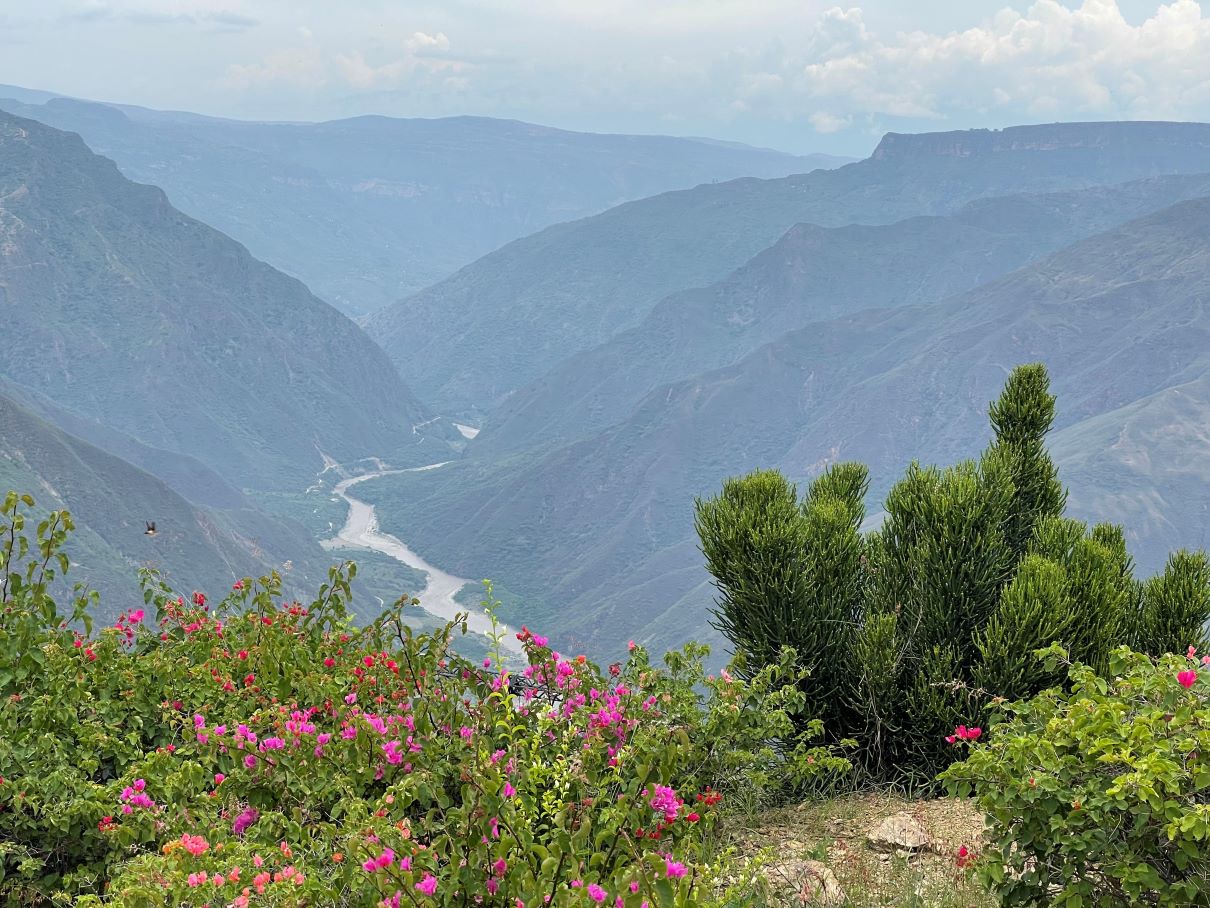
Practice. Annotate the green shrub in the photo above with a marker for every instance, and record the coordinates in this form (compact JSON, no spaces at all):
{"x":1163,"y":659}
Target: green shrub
{"x":259,"y":751}
{"x":1100,"y":796}
{"x":919,"y":625}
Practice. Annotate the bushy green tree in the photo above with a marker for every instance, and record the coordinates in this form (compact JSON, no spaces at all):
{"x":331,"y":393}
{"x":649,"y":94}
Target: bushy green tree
{"x":925,"y":622}
{"x":790,"y":572}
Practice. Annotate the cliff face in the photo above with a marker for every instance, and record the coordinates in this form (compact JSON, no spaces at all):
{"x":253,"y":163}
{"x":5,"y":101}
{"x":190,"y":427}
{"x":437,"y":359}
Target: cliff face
{"x":1128,"y":138}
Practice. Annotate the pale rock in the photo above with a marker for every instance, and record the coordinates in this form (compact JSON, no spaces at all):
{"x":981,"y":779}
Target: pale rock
{"x":900,"y":831}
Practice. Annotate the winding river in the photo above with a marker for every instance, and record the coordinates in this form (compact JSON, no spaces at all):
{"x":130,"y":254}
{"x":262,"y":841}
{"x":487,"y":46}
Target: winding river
{"x":360,"y":531}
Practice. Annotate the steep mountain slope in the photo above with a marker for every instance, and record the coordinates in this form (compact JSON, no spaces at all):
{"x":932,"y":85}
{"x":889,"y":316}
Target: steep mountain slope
{"x":597,"y":535}
{"x":119,"y":308}
{"x":370,"y":209}
{"x":809,"y":275}
{"x":471,"y":340}
{"x":194,"y":548}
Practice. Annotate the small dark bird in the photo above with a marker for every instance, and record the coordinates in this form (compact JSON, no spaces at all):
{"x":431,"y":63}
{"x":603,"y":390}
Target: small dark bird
{"x":150,"y":531}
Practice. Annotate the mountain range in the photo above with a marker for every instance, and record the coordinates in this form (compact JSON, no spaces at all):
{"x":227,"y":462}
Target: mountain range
{"x":370,"y":209}
{"x":471,"y":340}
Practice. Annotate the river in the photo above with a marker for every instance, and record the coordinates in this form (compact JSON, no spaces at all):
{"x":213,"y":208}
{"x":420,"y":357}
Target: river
{"x":360,"y":531}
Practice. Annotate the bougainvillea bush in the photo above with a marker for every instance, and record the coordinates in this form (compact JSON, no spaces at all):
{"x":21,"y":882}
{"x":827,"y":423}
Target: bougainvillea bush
{"x":1100,"y":797}
{"x":255,"y":751}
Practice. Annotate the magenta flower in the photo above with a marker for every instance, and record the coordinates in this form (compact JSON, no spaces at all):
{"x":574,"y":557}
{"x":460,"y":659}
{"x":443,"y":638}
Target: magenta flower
{"x":1187,"y":678}
{"x":428,"y":885}
{"x":666,"y":802}
{"x":249,"y":816}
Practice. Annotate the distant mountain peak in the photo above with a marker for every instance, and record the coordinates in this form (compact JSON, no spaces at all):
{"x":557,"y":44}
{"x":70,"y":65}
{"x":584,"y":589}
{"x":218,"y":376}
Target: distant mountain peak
{"x":1043,"y":137}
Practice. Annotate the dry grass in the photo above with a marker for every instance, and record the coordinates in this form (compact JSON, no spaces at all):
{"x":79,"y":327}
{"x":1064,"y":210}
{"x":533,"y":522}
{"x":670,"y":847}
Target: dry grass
{"x":834,"y":832}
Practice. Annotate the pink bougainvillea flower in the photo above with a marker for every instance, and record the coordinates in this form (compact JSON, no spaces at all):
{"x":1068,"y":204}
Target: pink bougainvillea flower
{"x":428,"y":885}
{"x":1186,"y":678}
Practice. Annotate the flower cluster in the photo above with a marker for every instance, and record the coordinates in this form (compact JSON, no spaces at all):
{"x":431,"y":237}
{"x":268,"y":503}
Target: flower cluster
{"x":396,"y":769}
{"x":962,"y":733}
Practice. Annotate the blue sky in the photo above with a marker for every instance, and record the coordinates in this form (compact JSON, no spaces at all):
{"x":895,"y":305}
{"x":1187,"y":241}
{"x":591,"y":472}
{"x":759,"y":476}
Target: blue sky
{"x":795,"y":74}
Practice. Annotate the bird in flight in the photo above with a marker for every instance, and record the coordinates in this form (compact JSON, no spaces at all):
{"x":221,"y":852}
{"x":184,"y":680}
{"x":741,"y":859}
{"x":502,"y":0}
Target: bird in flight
{"x":150,"y":531}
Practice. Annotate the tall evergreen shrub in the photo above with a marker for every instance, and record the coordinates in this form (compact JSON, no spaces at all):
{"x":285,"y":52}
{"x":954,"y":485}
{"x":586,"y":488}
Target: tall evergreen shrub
{"x":920,"y":625}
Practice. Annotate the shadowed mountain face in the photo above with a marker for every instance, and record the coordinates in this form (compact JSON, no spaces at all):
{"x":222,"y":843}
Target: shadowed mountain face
{"x":599,"y":531}
{"x":119,"y":308}
{"x":370,"y":209}
{"x":470,"y":341}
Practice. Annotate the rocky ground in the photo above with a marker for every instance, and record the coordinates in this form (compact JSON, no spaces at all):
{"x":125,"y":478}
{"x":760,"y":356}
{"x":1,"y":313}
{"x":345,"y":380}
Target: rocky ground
{"x":863,"y":851}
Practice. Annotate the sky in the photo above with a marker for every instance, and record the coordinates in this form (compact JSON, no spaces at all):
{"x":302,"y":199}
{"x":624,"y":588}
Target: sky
{"x":800,"y":75}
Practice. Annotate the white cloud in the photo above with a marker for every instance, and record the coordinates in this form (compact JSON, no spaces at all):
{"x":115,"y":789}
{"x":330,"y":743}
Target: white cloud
{"x":420,"y":53}
{"x":1050,"y":60}
{"x":825,"y":122}
{"x":298,"y":67}
{"x":164,"y":12}
{"x":420,"y":42}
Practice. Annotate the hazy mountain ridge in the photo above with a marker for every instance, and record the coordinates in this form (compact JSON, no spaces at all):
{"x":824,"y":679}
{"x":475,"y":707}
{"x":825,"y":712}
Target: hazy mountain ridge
{"x":1047,"y":137}
{"x":813,"y":274}
{"x":120,"y":307}
{"x":368,"y":209}
{"x":468,"y":342}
